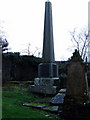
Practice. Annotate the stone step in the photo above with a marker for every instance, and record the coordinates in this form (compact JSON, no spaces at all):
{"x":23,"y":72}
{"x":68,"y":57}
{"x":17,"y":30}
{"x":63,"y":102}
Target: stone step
{"x":51,"y":109}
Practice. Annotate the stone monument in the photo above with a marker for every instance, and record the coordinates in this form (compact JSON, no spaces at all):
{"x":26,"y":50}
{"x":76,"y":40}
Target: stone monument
{"x":76,"y":101}
{"x":48,"y":80}
{"x":77,"y":84}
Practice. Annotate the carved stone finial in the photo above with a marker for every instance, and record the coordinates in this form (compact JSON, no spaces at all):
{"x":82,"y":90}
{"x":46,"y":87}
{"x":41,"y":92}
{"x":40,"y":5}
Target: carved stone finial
{"x":76,"y":56}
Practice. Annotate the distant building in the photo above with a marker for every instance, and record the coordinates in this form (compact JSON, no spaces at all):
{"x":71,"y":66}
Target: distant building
{"x":89,"y":31}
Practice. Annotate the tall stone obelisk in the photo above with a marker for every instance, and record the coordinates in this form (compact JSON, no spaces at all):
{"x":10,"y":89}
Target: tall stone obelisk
{"x":48,"y":80}
{"x":48,"y":68}
{"x":48,"y":45}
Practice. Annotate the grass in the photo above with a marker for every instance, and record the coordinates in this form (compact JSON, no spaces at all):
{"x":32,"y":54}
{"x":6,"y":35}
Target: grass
{"x":12,"y":98}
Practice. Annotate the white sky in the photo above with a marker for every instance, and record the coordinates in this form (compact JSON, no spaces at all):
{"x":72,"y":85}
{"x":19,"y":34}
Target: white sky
{"x":23,"y":22}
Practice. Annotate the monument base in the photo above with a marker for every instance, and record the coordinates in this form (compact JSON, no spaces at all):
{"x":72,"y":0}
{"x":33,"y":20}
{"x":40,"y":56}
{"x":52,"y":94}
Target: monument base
{"x":48,"y":86}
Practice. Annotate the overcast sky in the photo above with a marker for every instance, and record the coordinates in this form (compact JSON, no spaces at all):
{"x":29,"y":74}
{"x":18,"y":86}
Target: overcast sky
{"x":23,"y":23}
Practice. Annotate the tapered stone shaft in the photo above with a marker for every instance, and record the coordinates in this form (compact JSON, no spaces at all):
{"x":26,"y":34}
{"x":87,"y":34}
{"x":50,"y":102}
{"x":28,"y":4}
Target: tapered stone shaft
{"x":48,"y":45}
{"x":48,"y":81}
{"x":48,"y":69}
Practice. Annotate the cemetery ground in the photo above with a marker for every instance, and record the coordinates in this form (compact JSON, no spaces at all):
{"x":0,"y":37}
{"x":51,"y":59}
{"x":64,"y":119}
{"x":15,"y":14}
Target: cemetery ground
{"x":14,"y":96}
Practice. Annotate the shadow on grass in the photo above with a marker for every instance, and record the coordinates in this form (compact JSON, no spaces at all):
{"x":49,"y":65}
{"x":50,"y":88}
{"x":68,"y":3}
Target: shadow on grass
{"x":14,"y":95}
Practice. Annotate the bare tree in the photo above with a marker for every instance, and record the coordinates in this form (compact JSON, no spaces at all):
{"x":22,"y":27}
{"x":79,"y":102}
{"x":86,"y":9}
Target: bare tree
{"x":29,"y":51}
{"x":80,"y":41}
{"x":3,"y":41}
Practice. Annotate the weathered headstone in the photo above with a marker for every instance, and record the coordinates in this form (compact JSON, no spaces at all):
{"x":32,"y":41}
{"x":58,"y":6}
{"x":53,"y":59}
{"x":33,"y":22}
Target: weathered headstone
{"x":48,"y":80}
{"x":77,"y":84}
{"x":76,"y":99}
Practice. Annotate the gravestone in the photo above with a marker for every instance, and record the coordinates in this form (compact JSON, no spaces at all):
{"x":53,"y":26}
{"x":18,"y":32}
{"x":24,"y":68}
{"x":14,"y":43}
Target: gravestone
{"x":48,"y":81}
{"x":76,"y":101}
{"x":77,"y":84}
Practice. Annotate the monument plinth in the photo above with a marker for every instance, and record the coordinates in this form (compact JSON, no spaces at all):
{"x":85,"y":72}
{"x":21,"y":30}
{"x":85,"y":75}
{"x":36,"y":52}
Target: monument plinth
{"x":48,"y":80}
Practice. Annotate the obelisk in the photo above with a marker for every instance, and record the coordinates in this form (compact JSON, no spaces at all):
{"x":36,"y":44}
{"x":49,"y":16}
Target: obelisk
{"x":48,"y":45}
{"x":48,"y":68}
{"x":48,"y":81}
